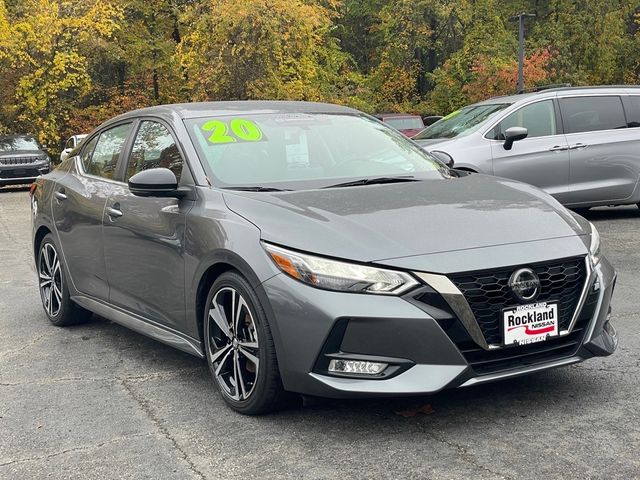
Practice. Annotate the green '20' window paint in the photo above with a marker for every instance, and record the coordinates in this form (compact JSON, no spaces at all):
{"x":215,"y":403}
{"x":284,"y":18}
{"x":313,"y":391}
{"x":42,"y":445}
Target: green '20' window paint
{"x":235,"y":130}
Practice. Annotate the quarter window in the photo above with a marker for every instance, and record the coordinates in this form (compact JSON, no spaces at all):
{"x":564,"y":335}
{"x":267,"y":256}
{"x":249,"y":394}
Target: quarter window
{"x":85,"y":156}
{"x":633,"y":112}
{"x":590,"y":114}
{"x":105,"y":156}
{"x":154,"y":147}
{"x":538,"y":118}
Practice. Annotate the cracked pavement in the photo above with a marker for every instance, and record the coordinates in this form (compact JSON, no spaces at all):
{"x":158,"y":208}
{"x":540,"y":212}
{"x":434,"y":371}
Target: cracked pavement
{"x":100,"y":401}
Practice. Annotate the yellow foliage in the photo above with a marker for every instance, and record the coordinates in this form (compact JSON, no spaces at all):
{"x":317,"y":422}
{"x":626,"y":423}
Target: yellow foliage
{"x":42,"y":63}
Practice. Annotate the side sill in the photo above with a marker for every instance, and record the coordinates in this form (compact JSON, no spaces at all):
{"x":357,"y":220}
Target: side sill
{"x":145,"y":327}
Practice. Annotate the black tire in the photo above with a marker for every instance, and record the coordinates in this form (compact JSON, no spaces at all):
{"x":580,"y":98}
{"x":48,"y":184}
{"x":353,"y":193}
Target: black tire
{"x":259,"y":388}
{"x":52,"y":284}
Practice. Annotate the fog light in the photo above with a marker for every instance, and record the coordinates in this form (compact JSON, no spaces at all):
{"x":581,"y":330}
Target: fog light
{"x":356,"y":366}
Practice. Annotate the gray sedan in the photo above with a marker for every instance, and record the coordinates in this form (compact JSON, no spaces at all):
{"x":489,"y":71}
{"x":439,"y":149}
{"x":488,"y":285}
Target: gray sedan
{"x":581,"y":145}
{"x":308,"y":248}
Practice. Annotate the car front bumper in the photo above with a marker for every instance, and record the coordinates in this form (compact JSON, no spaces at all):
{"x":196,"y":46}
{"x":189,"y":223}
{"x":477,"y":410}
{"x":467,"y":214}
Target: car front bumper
{"x":22,"y":174}
{"x":312,"y":326}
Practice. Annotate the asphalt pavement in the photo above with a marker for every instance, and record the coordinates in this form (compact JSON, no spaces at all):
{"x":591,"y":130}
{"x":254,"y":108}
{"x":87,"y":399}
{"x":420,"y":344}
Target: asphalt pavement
{"x":100,"y":401}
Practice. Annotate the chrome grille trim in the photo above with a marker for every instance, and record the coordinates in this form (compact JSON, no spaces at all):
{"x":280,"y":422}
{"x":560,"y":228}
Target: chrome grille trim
{"x":459,"y":305}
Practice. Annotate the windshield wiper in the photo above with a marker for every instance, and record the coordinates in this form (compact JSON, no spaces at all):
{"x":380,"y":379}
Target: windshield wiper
{"x":375,"y":181}
{"x":257,"y":188}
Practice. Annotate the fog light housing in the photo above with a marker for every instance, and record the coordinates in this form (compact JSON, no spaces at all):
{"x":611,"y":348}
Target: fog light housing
{"x":356,"y":366}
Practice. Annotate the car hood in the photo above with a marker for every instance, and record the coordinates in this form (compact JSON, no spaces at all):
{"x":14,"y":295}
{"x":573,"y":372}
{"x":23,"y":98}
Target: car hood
{"x":380,"y":222}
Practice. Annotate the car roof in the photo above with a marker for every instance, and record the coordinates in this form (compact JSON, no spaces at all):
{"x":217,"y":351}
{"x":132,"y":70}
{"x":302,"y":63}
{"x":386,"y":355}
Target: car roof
{"x":555,"y":91}
{"x":241,"y":107}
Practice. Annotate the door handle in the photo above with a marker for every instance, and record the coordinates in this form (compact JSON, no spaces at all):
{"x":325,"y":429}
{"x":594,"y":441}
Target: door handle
{"x":558,"y":148}
{"x":577,"y":146}
{"x":114,"y":212}
{"x":60,"y":195}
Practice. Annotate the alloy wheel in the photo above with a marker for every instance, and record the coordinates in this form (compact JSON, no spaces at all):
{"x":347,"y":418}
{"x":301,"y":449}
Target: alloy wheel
{"x":233,"y":344}
{"x":50,"y":278}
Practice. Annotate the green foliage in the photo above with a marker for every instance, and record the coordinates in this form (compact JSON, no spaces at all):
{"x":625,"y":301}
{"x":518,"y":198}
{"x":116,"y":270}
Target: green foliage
{"x":67,"y":65}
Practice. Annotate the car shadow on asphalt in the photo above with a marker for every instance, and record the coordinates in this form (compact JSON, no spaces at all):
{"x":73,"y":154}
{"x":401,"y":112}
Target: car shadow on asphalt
{"x":611,"y":213}
{"x":529,"y":395}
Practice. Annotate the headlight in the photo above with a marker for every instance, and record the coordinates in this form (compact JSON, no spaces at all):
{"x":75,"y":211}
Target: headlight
{"x":594,"y":249}
{"x":341,"y":276}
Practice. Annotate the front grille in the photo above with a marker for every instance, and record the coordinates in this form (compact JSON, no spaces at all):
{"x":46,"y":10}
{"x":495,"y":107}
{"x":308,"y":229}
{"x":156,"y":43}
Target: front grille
{"x":485,"y":362}
{"x":27,"y":160}
{"x":22,"y":173}
{"x":488,"y":292}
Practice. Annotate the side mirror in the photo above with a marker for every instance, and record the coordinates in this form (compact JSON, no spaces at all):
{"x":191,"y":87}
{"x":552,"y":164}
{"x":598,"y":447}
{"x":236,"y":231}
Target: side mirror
{"x":513,"y":134}
{"x":444,"y":157}
{"x":154,"y":182}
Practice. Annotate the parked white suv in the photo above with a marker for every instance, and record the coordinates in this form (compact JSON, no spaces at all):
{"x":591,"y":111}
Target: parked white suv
{"x":581,"y":145}
{"x":72,"y":142}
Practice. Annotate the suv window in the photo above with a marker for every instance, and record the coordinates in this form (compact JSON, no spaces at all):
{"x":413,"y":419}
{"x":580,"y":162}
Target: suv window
{"x":633,"y":111}
{"x":154,"y":147}
{"x":105,"y":156}
{"x":590,"y":114}
{"x":538,"y":118}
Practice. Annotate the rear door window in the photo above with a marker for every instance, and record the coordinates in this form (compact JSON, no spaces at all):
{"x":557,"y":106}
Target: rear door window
{"x":104,"y":160}
{"x":538,"y":118}
{"x":592,"y":114}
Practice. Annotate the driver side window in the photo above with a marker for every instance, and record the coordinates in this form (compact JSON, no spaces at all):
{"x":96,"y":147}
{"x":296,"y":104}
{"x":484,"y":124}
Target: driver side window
{"x":154,"y":147}
{"x":538,"y":118}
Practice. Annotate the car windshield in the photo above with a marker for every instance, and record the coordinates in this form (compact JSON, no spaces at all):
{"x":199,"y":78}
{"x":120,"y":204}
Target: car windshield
{"x":461,"y":122}
{"x":9,"y":144}
{"x":405,"y":123}
{"x":296,"y":150}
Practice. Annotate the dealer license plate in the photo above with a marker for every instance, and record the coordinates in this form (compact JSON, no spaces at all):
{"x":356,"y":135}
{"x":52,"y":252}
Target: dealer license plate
{"x":531,"y":323}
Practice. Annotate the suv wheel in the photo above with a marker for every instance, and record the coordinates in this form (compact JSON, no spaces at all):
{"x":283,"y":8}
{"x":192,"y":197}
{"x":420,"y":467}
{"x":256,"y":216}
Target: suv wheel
{"x":53,"y":287}
{"x":239,"y":347}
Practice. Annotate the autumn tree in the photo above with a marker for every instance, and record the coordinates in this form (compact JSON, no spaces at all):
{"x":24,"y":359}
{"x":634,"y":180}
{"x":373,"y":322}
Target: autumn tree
{"x":42,"y":62}
{"x":278,"y":49}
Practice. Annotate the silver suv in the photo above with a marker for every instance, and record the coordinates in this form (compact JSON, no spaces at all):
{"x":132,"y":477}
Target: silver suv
{"x":581,"y":145}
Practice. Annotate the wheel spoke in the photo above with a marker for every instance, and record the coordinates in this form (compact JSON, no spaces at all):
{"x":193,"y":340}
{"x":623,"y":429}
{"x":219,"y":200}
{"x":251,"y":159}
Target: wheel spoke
{"x":215,"y":356}
{"x":236,"y":372}
{"x":224,"y":360}
{"x":232,"y":321}
{"x":47,"y":260}
{"x":50,"y":301}
{"x":248,"y":355}
{"x":240,"y":379}
{"x":242,"y":305}
{"x":44,"y":283}
{"x":217,"y":317}
{"x":44,"y":276}
{"x":58,"y":294}
{"x":252,"y":345}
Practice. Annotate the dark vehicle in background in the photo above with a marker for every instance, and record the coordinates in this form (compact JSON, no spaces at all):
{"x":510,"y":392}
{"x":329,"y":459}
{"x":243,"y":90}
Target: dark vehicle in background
{"x":296,"y":258}
{"x":22,"y":159}
{"x":579,"y":144}
{"x":431,"y":119}
{"x":406,"y":124}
